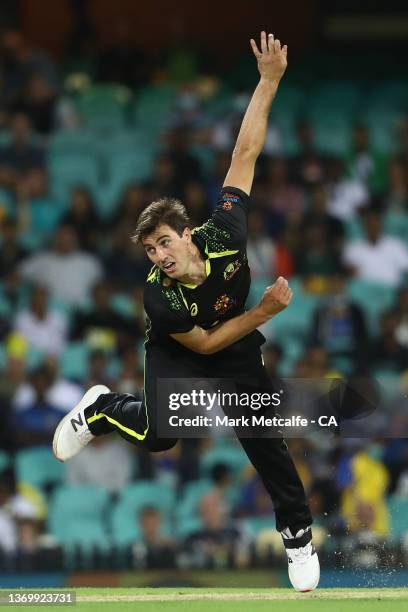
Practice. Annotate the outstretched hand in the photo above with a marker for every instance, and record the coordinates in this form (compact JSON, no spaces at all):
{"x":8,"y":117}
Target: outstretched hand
{"x":276,"y":298}
{"x":272,"y":58}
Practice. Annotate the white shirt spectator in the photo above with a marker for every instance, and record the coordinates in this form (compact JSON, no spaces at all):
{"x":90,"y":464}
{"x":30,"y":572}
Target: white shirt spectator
{"x":345,"y":197}
{"x":384,"y":261}
{"x":107,"y":462}
{"x":48,"y":334}
{"x":62,"y":394}
{"x":68,"y":277}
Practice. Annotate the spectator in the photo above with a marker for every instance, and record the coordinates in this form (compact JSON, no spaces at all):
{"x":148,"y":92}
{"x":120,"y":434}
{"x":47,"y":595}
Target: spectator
{"x":134,"y":200}
{"x":153,"y":550}
{"x":43,"y":328}
{"x":365,"y":164}
{"x":363,"y":499}
{"x":126,"y":264}
{"x":38,"y":103}
{"x":195,"y":200}
{"x":83,"y":217}
{"x":386,"y":352}
{"x":11,"y":252}
{"x":377,"y":258}
{"x":261,"y":249}
{"x":308,"y":166}
{"x":316,"y":255}
{"x":282,"y":200}
{"x":38,"y":213}
{"x":98,"y":370}
{"x":220,"y":542}
{"x":107,"y":462}
{"x":103,"y":325}
{"x":400,"y":310}
{"x":396,"y":199}
{"x":20,"y":154}
{"x":317,"y":214}
{"x":14,"y":508}
{"x":345,"y":196}
{"x":68,"y":273}
{"x":339,"y":325}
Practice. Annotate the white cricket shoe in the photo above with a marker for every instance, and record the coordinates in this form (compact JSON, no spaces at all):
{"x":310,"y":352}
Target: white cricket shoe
{"x":72,"y":432}
{"x":303,"y":562}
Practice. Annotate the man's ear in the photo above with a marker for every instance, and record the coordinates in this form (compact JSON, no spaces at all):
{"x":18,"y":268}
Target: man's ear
{"x":187,"y":234}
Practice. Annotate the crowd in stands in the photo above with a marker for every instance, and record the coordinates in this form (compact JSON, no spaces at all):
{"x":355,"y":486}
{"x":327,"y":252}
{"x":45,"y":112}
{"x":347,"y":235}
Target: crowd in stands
{"x":71,"y":306}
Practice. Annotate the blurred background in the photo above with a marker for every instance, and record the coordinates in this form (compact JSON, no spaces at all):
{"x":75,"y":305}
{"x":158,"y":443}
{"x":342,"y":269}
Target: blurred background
{"x":104,"y":107}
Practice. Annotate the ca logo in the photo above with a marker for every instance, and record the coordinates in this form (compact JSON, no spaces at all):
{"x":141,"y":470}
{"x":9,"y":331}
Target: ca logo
{"x":193,"y":309}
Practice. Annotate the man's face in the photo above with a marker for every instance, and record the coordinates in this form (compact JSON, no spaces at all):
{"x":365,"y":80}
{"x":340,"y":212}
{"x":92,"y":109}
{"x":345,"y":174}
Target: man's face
{"x":169,"y":251}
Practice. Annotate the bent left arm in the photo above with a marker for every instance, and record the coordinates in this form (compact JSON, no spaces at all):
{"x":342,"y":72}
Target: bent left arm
{"x":272,"y":62}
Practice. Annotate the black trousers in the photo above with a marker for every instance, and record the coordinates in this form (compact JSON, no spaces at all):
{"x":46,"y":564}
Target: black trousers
{"x":137,"y":421}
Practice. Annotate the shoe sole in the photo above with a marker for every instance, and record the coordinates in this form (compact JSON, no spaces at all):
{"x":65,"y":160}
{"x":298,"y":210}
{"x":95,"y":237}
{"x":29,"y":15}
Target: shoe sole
{"x":89,"y":398}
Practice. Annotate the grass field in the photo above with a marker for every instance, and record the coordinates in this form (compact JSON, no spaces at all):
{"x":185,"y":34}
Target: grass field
{"x":235,"y":600}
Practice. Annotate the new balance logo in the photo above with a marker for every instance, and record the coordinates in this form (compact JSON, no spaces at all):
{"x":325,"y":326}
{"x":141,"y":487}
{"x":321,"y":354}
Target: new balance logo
{"x":77,"y":421}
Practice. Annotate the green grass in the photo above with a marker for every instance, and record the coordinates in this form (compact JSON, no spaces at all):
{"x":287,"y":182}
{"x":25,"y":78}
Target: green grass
{"x":234,"y":600}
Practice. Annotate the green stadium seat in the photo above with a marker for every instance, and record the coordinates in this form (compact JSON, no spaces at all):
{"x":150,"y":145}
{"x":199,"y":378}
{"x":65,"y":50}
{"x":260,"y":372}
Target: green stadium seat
{"x":388,"y":95}
{"x":74,"y":361}
{"x":72,"y":170}
{"x":104,"y":106}
{"x":332,"y":132}
{"x":233,"y":457}
{"x":337,"y":96}
{"x":77,"y":516}
{"x":382,"y":126}
{"x":154,"y":107}
{"x":396,"y":224}
{"x":73,"y":142}
{"x":124,"y":520}
{"x":38,"y":467}
{"x":373,"y":298}
{"x":187,"y":519}
{"x":256,"y":524}
{"x":398,"y":509}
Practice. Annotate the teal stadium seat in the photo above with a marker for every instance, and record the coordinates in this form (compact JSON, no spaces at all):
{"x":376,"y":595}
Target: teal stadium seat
{"x":77,"y":516}
{"x":154,"y":107}
{"x":187,"y":515}
{"x":73,"y":142}
{"x":337,"y":96}
{"x":4,"y":460}
{"x":38,"y":467}
{"x":124,"y":518}
{"x":374,"y":298}
{"x":398,"y":509}
{"x":72,"y":170}
{"x":104,"y":107}
{"x":332,"y":132}
{"x":74,"y":360}
{"x":233,"y":457}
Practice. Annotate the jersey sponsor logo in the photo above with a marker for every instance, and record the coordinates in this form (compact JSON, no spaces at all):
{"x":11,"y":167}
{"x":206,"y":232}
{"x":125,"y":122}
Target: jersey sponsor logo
{"x":232,"y":197}
{"x":232,"y":269}
{"x":224,"y":303}
{"x":193,"y":310}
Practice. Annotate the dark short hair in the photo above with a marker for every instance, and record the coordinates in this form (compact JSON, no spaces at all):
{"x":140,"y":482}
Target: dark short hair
{"x":168,"y":211}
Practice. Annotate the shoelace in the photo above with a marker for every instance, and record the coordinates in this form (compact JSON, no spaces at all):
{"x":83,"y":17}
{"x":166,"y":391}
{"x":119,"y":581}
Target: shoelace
{"x":300,"y":555}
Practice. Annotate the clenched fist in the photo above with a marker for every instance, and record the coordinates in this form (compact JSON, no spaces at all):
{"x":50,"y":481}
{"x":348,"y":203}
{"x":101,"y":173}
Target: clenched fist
{"x":276,"y":298}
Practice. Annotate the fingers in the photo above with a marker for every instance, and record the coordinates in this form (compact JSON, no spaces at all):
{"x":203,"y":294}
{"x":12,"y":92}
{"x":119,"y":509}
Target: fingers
{"x":255,"y":49}
{"x":264,"y":45}
{"x":271,"y":42}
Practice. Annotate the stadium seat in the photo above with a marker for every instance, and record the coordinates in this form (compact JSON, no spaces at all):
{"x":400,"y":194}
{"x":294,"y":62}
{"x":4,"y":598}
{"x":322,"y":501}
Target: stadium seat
{"x":77,"y":516}
{"x":233,"y":457}
{"x":373,"y":298}
{"x":187,"y":519}
{"x":104,"y":106}
{"x":332,"y":132}
{"x":154,"y":107}
{"x":74,"y":360}
{"x":335,"y":97}
{"x":73,"y":142}
{"x":38,"y":467}
{"x":72,"y":170}
{"x":398,"y":509}
{"x":124,"y":519}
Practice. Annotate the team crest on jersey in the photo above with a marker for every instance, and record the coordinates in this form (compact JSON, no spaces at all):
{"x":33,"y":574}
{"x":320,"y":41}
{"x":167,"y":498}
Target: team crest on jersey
{"x":224,"y":303}
{"x":232,"y":269}
{"x":227,"y":205}
{"x":229,"y":199}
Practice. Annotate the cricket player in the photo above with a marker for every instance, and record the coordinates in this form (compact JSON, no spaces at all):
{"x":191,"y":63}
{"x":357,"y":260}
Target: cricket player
{"x":197,"y":325}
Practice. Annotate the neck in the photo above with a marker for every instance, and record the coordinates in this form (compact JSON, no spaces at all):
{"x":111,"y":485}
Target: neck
{"x":195,"y":274}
